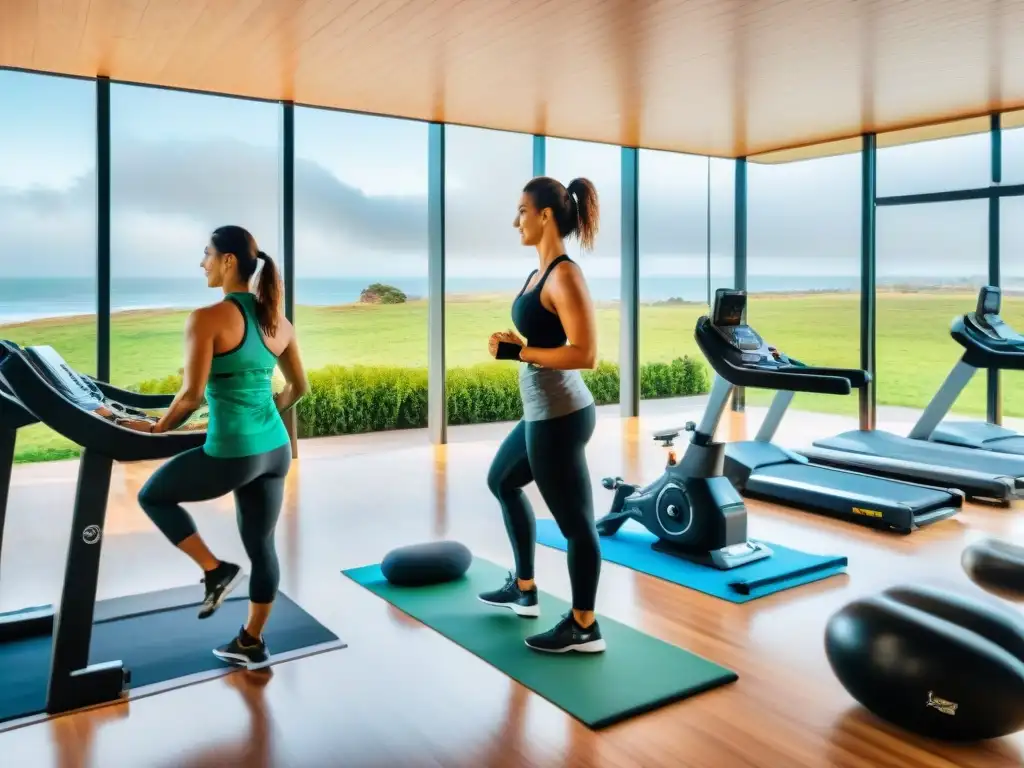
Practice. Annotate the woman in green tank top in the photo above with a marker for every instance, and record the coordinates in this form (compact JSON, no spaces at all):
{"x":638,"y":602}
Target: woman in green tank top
{"x":231,"y":350}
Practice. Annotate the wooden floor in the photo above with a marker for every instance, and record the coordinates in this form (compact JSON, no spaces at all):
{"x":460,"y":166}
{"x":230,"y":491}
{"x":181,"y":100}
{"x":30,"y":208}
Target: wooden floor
{"x":402,"y":695}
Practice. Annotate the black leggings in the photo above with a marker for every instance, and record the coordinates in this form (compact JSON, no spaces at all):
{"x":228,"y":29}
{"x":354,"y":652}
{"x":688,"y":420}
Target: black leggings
{"x":553,"y":454}
{"x":258,"y":484}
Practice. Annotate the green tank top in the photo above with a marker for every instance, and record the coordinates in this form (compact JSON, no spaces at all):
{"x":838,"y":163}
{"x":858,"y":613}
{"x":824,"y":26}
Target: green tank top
{"x":243,"y":417}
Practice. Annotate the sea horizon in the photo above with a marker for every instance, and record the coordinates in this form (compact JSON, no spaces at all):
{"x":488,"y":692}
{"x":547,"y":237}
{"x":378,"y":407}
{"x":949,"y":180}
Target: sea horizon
{"x":33,"y":298}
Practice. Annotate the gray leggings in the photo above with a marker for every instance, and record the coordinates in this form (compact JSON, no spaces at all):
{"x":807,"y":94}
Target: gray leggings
{"x":258,"y":485}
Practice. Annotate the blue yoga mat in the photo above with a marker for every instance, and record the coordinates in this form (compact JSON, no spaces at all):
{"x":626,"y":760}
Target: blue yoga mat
{"x":631,"y":547}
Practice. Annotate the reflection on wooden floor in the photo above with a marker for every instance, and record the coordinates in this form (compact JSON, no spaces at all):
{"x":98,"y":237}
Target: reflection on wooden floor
{"x":401,"y":695}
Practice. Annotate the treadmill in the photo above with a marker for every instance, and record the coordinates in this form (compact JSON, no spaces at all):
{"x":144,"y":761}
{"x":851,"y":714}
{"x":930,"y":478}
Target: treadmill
{"x":36,"y":385}
{"x":13,"y":416}
{"x":942,"y":454}
{"x":760,"y":469}
{"x":988,"y":342}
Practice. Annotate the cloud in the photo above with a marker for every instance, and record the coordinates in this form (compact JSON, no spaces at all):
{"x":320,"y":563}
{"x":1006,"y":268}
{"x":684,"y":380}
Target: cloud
{"x":167,"y":196}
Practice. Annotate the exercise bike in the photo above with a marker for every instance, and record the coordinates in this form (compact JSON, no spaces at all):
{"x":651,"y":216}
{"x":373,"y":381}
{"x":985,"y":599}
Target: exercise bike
{"x":693,"y":509}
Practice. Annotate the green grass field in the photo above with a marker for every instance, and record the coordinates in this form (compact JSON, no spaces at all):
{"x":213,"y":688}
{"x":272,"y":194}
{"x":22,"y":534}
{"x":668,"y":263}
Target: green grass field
{"x":914,"y":351}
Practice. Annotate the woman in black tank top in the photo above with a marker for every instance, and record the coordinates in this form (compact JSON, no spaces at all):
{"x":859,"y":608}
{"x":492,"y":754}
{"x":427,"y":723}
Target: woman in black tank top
{"x":554,"y":314}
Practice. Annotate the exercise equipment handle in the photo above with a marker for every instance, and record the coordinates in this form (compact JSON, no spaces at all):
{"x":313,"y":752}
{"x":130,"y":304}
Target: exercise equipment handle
{"x":52,"y":402}
{"x":791,"y":379}
{"x":857,"y":377}
{"x":767,"y":373}
{"x":132,"y":399}
{"x":1004,"y":353}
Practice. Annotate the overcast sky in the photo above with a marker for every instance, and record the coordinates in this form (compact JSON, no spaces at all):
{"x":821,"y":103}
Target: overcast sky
{"x":186,"y":163}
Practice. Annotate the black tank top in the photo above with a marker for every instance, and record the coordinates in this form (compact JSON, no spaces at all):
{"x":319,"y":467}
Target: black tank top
{"x":536,"y":323}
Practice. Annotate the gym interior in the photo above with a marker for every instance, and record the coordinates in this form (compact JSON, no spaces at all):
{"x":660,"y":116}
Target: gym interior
{"x":808,"y":456}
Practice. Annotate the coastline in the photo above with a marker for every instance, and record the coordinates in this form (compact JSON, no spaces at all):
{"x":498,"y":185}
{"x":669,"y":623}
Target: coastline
{"x":145,"y":313}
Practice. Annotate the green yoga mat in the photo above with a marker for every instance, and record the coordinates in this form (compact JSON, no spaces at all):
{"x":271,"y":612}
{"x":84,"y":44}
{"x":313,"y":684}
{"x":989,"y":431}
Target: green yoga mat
{"x":637,"y":673}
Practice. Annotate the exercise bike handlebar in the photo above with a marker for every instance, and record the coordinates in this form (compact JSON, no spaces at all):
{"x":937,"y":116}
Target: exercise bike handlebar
{"x":763,"y":371}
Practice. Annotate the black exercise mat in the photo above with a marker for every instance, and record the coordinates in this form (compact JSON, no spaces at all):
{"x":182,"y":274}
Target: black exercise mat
{"x":159,"y":638}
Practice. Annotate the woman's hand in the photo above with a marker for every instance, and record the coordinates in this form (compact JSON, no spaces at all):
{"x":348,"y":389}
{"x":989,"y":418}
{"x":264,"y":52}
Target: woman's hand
{"x":286,"y":399}
{"x":510,"y":336}
{"x":139,"y":425}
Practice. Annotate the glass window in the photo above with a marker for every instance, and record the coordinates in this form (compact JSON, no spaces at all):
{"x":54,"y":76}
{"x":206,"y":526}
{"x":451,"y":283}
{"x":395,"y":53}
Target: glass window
{"x":182,"y":164}
{"x":932,"y":259}
{"x":602,"y":164}
{"x":914,"y":161}
{"x":48,"y":227}
{"x":674,"y":231}
{"x":485,"y":264}
{"x":361,"y":240}
{"x":1011,"y":246}
{"x":1013,"y":148}
{"x":722,"y":204}
{"x":803,"y":265}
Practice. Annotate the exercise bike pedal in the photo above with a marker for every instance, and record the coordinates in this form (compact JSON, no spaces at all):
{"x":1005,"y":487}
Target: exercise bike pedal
{"x":723,"y":559}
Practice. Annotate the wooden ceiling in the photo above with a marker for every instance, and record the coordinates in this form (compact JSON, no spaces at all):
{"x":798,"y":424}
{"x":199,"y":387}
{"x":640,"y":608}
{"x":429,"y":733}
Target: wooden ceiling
{"x":716,"y":77}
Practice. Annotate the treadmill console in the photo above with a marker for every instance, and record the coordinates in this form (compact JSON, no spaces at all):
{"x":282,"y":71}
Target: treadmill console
{"x":727,"y":319}
{"x":86,"y":411}
{"x":985,"y":328}
{"x":69,"y":382}
{"x":79,"y":389}
{"x":989,"y":300}
{"x":744,"y":359}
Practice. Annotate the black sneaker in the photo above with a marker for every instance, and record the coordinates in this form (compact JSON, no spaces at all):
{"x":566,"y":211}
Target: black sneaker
{"x":244,"y":651}
{"x":511,"y":596}
{"x":567,"y":635}
{"x":219,"y":582}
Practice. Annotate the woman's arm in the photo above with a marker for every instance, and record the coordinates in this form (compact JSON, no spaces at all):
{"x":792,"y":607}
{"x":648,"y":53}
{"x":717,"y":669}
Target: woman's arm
{"x":296,"y":383}
{"x":570,"y":300}
{"x":198,"y":359}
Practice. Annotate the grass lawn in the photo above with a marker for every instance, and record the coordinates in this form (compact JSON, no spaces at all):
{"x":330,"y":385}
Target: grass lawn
{"x":914,"y":350}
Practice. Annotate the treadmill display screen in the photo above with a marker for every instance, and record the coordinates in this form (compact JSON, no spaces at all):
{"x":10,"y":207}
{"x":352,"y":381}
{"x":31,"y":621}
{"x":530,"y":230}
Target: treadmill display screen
{"x":988,"y":302}
{"x":729,"y":306}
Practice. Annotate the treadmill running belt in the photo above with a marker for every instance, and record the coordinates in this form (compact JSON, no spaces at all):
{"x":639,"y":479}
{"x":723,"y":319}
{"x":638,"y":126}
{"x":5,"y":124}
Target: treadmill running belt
{"x":828,"y":488}
{"x":1014,"y":445}
{"x":889,"y":446}
{"x":159,"y":639}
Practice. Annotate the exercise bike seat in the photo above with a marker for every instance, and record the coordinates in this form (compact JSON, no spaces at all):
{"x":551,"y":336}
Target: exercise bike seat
{"x":666,"y":436}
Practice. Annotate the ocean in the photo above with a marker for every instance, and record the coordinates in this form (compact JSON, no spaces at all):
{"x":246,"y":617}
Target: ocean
{"x":23,"y":299}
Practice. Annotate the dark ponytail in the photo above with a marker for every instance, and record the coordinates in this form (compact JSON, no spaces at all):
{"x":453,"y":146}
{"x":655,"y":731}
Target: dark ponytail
{"x":268,"y":295}
{"x":239,"y":242}
{"x":575,"y":207}
{"x":588,"y":211}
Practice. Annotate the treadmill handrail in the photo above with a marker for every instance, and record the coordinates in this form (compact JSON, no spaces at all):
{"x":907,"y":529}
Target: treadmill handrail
{"x":857,"y":377}
{"x":792,"y":379}
{"x":94,"y":433}
{"x":49,"y":357}
{"x":981,"y":353}
{"x":13,"y":414}
{"x":132,"y":399}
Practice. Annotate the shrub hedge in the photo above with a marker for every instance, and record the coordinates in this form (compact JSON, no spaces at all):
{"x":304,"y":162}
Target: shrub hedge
{"x":347,"y":400}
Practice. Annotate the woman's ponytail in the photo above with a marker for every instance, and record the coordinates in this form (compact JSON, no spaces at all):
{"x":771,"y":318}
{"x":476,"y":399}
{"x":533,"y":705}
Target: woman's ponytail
{"x":583,"y":195}
{"x":268,"y":295}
